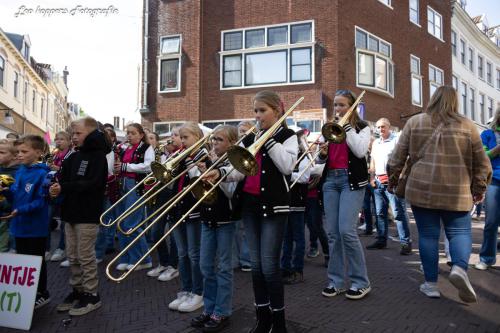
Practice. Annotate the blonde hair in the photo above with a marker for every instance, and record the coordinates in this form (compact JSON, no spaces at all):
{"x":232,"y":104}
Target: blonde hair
{"x":495,"y":122}
{"x":192,"y":128}
{"x":89,"y":122}
{"x":443,"y":105}
{"x":9,"y":144}
{"x":64,"y":134}
{"x":229,"y":131}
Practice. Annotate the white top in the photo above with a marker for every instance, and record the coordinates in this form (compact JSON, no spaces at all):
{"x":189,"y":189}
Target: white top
{"x":381,"y":151}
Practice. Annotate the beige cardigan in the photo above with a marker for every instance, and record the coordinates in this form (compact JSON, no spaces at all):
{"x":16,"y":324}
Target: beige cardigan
{"x":453,"y":168}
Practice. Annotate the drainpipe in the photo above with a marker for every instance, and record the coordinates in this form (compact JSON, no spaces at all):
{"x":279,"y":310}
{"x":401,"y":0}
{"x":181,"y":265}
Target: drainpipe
{"x":145,"y":109}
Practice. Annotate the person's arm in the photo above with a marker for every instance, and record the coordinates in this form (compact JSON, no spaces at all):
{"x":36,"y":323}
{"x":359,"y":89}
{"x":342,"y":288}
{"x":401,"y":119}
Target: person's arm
{"x":481,"y":166}
{"x":304,"y":178}
{"x":489,"y":142}
{"x":144,"y":167}
{"x":399,"y":156}
{"x":39,"y":199}
{"x":358,"y":142}
{"x":92,"y":180}
{"x":284,"y":155}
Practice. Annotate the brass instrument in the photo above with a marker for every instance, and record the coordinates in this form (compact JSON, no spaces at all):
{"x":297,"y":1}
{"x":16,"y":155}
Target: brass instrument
{"x":49,"y":158}
{"x":161,"y":173}
{"x":6,"y":181}
{"x":334,"y":131}
{"x":243,"y":159}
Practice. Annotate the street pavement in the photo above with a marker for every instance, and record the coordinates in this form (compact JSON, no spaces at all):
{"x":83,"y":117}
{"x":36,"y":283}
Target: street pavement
{"x":140,"y":304}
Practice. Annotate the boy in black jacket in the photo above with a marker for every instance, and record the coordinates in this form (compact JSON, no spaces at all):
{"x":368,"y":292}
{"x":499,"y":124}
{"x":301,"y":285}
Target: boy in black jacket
{"x":81,"y":186}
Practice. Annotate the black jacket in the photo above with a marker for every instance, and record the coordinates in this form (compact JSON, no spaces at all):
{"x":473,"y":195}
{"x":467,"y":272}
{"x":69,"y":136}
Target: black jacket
{"x":83,"y":180}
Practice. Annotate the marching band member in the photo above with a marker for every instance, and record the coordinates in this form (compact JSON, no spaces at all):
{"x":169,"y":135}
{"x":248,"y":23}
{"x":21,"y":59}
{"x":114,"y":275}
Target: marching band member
{"x":217,"y":234}
{"x":264,"y":202}
{"x":134,"y":164}
{"x":188,"y":234}
{"x":345,"y":177}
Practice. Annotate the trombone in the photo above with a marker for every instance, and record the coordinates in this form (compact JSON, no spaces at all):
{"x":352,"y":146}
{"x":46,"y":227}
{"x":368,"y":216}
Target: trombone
{"x":334,"y":131}
{"x":162,"y":172}
{"x":167,"y":206}
{"x":170,"y":205}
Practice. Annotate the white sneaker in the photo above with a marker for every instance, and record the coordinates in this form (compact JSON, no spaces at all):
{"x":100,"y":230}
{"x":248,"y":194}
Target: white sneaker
{"x":98,"y":261}
{"x":181,"y":298}
{"x":140,"y":267}
{"x":458,"y":277}
{"x":121,"y":267}
{"x":12,"y":251}
{"x":156,"y":271}
{"x":482,"y":266}
{"x":47,"y":255}
{"x":193,"y":303}
{"x":169,"y":274}
{"x":65,"y":263}
{"x":58,"y":255}
{"x":430,"y":289}
{"x":362,"y":227}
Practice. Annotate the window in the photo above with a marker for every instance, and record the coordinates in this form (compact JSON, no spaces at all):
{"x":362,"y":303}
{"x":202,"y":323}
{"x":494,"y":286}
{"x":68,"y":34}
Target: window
{"x":490,"y":107}
{"x":464,"y":99}
{"x":271,"y":55}
{"x":471,"y":59}
{"x":498,"y":78}
{"x":435,"y":78}
{"x":462,"y":51}
{"x":489,"y":70}
{"x":16,"y":84}
{"x":162,"y":128}
{"x":386,"y":2}
{"x":480,"y":68}
{"x":434,"y":20}
{"x":472,"y":103}
{"x":170,"y":60}
{"x":481,"y":108}
{"x":414,"y":11}
{"x":25,"y":93}
{"x":33,"y":102}
{"x":2,"y":70}
{"x":26,"y":52}
{"x":375,"y":68}
{"x":454,"y":43}
{"x":454,"y":82}
{"x":416,"y":81}
{"x":42,"y":104}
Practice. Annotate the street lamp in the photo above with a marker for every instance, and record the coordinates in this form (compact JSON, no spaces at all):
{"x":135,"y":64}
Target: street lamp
{"x":8,"y":120}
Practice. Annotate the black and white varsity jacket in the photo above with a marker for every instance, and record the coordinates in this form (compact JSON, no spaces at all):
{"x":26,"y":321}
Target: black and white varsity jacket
{"x":358,"y":140}
{"x":299,"y":190}
{"x":141,"y":163}
{"x":279,"y":155}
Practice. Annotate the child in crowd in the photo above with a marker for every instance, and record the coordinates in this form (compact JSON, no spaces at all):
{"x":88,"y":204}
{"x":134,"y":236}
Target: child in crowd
{"x":8,"y":167}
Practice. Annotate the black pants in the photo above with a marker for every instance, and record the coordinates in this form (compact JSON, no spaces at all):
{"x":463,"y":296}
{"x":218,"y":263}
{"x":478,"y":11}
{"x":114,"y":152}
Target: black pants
{"x":36,"y":247}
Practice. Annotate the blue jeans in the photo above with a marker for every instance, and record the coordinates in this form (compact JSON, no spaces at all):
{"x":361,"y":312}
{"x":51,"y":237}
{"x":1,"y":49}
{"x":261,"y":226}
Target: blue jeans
{"x":314,"y":221}
{"x":265,"y":237}
{"x":457,"y":226}
{"x":241,"y":255}
{"x":367,"y":208}
{"x":165,"y":257}
{"x":342,"y":206}
{"x":141,"y":246}
{"x":294,"y":233}
{"x":216,"y":246}
{"x":188,"y":238}
{"x":492,"y":213}
{"x":383,"y":199}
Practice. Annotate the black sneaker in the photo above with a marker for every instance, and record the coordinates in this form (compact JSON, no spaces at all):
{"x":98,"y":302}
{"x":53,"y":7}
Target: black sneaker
{"x":331,"y":291}
{"x":377,"y":245}
{"x":87,"y":303}
{"x":42,"y":299}
{"x":405,"y":249}
{"x":200,"y":320}
{"x":69,"y":301}
{"x":358,"y":293}
{"x":327,"y":260}
{"x":216,"y":324}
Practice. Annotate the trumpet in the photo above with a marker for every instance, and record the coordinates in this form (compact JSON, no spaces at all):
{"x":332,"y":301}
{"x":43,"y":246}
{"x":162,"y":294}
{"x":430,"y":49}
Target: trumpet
{"x":334,"y":131}
{"x":243,"y":159}
{"x":161,"y":173}
{"x":206,"y":194}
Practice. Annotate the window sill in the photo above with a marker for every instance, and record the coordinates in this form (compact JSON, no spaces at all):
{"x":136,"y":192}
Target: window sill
{"x":438,"y":38}
{"x":169,"y":91}
{"x":415,"y":23}
{"x":268,"y":85}
{"x":376,"y":91}
{"x":418,"y":105}
{"x":388,"y":6}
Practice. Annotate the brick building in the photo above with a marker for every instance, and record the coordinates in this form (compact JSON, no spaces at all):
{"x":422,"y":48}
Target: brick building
{"x":207,"y":59}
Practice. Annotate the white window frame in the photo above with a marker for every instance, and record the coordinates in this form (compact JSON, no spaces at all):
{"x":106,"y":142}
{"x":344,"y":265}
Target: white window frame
{"x":470,"y":63}
{"x":472,"y":102}
{"x":390,"y":63}
{"x":454,"y":34}
{"x":288,"y":47}
{"x":480,"y":73}
{"x":417,"y":76}
{"x":33,"y":101}
{"x":418,"y":13}
{"x":387,"y":3}
{"x":463,"y":91}
{"x":455,"y":79}
{"x":170,"y":56}
{"x":15,"y":85}
{"x":490,"y":107}
{"x":169,"y":123}
{"x":2,"y":82}
{"x":463,"y":52}
{"x":440,"y":37}
{"x":482,"y":107}
{"x":498,"y":78}
{"x":225,"y":121}
{"x":490,"y":80}
{"x":435,"y":83}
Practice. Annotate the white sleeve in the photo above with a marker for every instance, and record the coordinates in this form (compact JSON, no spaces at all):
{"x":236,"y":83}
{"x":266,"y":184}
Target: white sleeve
{"x":228,"y":188}
{"x":304,"y":179}
{"x":110,"y":157}
{"x":284,"y":155}
{"x":358,"y":142}
{"x":317,"y":170}
{"x":233,"y":175}
{"x":144,"y":167}
{"x":193,"y":171}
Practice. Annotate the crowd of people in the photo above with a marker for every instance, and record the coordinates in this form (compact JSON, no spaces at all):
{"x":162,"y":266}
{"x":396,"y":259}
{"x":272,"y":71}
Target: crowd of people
{"x":439,"y":165}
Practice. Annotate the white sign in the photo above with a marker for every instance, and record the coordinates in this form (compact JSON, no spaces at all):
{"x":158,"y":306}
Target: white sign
{"x":19,"y":276}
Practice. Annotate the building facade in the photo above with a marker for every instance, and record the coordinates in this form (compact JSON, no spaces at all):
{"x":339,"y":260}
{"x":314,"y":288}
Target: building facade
{"x":205,"y":60}
{"x":476,"y":64}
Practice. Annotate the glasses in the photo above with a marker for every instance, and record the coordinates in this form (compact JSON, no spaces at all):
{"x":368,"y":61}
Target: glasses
{"x":216,"y":139}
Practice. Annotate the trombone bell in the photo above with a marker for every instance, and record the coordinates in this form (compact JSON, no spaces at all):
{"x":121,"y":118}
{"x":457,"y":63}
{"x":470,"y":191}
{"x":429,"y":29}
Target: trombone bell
{"x":160,"y":172}
{"x":333,"y":132}
{"x":242,"y":160}
{"x":201,"y":189}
